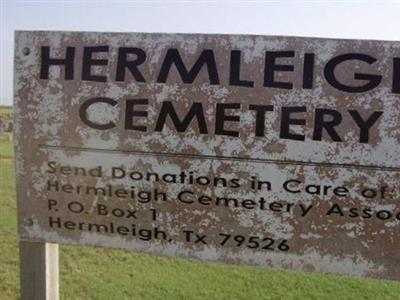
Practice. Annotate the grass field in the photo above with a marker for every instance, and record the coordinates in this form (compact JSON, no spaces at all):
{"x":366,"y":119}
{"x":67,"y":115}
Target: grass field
{"x":6,"y":147}
{"x":93,"y":273}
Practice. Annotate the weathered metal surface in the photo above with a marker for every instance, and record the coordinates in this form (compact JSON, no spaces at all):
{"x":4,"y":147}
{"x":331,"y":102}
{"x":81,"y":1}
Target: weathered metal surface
{"x":297,"y":228}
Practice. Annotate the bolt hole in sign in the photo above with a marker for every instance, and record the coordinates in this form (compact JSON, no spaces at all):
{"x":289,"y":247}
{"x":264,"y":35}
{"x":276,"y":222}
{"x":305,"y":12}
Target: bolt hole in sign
{"x":269,"y":151}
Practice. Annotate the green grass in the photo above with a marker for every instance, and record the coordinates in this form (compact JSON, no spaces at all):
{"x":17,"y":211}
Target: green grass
{"x":6,"y":111}
{"x":6,"y":146}
{"x":94,"y":273}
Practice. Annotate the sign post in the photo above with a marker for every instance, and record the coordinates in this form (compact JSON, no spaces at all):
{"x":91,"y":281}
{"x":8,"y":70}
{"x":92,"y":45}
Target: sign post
{"x":39,"y":271}
{"x":268,"y":151}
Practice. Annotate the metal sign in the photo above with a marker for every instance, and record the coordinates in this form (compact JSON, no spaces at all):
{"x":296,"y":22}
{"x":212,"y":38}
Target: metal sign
{"x":268,"y":151}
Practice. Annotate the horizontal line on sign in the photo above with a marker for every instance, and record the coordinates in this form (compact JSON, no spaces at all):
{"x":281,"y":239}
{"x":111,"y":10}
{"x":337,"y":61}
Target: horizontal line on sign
{"x":221,"y":157}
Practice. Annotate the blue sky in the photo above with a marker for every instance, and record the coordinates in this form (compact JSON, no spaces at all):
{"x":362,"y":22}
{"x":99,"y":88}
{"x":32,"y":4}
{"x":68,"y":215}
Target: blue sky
{"x":337,"y":19}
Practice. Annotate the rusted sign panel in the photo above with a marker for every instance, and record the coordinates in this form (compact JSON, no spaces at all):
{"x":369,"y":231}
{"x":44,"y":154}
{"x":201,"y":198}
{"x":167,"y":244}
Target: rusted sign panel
{"x":268,"y":151}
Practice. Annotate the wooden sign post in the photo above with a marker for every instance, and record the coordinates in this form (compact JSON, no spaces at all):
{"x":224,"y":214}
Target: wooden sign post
{"x":268,"y":151}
